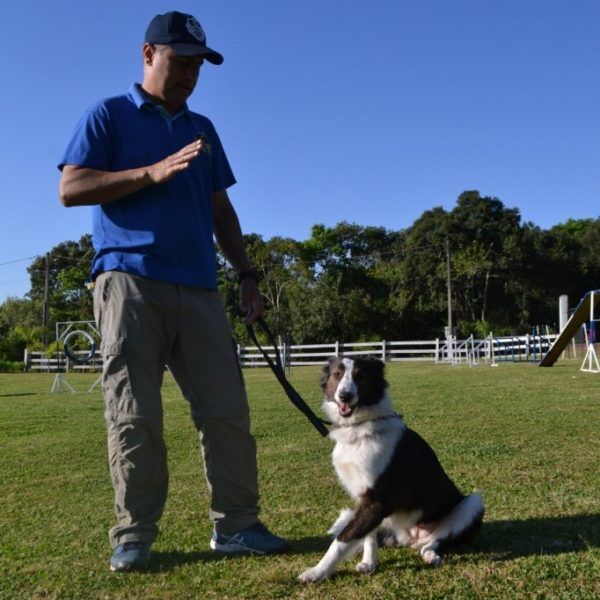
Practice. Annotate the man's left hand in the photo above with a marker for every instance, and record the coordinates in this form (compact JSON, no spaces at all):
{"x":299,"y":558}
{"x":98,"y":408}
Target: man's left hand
{"x":251,"y":300}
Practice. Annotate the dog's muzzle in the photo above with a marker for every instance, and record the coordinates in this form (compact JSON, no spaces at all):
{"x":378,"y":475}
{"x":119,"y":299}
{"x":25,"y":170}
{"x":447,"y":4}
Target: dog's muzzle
{"x":343,"y":401}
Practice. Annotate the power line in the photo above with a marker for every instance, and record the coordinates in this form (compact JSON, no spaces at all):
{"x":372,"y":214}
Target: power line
{"x":10,"y":262}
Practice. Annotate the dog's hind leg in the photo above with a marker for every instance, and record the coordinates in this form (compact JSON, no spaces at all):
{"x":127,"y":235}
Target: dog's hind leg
{"x":368,"y":563}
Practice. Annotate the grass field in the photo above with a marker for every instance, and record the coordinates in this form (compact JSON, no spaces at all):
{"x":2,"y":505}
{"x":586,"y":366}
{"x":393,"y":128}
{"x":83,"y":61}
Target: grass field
{"x":528,"y":438}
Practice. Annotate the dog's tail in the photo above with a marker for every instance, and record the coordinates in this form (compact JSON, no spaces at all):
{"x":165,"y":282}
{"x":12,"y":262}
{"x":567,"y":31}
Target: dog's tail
{"x":463,"y":523}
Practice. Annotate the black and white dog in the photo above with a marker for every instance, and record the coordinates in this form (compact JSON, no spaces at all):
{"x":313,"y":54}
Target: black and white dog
{"x":401,"y":490}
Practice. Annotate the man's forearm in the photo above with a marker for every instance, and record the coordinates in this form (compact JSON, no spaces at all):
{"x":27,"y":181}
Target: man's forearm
{"x":231,"y":243}
{"x":229,"y":235}
{"x":84,"y":187}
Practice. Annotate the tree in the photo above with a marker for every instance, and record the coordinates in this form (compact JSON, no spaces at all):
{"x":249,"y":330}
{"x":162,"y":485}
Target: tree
{"x":19,"y":327}
{"x":486,"y":240}
{"x":345,"y":293}
{"x":69,"y":266}
{"x":425,"y":274}
{"x":350,"y":282}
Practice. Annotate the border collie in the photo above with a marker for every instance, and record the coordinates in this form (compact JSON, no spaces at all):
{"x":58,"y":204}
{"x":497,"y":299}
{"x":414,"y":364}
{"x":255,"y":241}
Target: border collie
{"x":401,"y":491}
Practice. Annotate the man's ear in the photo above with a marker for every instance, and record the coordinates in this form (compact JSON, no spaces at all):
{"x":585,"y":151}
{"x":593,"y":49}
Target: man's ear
{"x":148,"y":51}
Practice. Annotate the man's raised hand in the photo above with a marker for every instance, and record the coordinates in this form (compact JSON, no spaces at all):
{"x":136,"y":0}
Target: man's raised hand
{"x":167,"y":168}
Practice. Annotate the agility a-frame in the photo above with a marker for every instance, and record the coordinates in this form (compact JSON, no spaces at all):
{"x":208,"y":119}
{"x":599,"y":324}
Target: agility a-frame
{"x":585,"y":310}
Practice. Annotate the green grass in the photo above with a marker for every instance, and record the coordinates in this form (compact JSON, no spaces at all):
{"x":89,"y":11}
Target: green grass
{"x":528,"y":438}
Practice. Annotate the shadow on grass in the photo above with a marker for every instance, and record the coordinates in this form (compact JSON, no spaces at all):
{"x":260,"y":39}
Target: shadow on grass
{"x":166,"y":561}
{"x":497,"y":540}
{"x":17,"y":395}
{"x":507,"y":540}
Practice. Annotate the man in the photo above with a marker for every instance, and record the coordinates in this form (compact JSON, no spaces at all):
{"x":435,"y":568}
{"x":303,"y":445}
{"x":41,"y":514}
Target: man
{"x":157,"y":176}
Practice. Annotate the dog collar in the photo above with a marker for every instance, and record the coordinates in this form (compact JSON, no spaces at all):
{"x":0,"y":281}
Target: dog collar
{"x":382,"y":418}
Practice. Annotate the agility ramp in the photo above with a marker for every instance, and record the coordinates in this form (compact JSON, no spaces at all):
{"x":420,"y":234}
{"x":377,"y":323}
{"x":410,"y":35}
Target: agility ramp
{"x":581,"y":314}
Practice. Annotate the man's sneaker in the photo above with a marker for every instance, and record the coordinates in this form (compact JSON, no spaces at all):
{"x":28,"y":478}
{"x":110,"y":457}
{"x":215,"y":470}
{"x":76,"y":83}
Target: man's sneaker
{"x":256,"y":539}
{"x":130,"y":556}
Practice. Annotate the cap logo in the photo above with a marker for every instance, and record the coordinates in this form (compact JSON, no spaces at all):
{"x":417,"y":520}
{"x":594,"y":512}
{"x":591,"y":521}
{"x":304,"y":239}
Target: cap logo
{"x":195,"y":29}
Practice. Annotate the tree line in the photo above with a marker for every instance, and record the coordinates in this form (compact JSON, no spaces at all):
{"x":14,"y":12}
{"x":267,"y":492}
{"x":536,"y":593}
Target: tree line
{"x":355,"y":283}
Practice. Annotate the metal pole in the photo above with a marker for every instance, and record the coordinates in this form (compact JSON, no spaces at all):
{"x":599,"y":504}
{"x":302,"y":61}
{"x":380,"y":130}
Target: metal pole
{"x":46,"y":302}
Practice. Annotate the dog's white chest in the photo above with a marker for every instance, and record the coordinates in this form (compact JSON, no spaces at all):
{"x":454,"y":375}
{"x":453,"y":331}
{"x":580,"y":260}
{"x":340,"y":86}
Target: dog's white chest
{"x":359,"y":458}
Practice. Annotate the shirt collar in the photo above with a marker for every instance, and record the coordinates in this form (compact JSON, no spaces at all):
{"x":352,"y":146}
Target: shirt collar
{"x":142,"y":100}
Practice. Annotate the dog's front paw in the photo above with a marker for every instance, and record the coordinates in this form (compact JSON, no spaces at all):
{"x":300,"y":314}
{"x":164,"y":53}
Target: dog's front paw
{"x":366,"y":567}
{"x":312,"y":575}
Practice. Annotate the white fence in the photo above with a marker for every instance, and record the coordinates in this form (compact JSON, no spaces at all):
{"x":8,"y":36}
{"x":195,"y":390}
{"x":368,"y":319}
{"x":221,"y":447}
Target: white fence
{"x":523,"y":348}
{"x":317,"y":354}
{"x":472,"y":351}
{"x":38,"y":361}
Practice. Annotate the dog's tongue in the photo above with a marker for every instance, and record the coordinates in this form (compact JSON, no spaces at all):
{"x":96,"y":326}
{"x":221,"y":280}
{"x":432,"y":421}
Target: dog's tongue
{"x":345,"y":409}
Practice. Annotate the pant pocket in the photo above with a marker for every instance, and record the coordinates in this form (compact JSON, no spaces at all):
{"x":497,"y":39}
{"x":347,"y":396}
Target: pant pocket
{"x":118,"y":395}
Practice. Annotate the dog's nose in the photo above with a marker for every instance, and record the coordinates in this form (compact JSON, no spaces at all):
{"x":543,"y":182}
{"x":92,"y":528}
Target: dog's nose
{"x":346,"y":396}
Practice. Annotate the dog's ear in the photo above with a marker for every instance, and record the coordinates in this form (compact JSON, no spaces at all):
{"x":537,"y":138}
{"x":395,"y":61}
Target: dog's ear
{"x":377,"y":370}
{"x":326,"y":372}
{"x":373,"y":365}
{"x":381,"y":370}
{"x":379,"y":366}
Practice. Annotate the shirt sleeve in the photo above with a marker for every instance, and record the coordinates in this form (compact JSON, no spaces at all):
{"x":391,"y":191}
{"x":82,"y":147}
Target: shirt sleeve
{"x":90,"y":144}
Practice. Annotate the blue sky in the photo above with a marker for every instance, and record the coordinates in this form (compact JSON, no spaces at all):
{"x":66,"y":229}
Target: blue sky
{"x":329,"y":110}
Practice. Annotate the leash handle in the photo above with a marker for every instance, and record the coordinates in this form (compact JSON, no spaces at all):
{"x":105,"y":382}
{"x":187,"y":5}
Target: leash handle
{"x":278,"y":371}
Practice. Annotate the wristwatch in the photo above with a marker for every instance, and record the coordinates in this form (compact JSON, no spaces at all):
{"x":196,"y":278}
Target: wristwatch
{"x":249,"y":274}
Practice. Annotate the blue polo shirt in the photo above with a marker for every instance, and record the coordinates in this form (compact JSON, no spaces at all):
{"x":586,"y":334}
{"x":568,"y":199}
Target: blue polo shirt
{"x":164,"y":231}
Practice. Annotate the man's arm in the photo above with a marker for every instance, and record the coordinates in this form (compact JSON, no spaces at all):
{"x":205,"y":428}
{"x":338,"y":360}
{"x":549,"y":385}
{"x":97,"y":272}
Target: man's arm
{"x":80,"y":186}
{"x":229,"y":237}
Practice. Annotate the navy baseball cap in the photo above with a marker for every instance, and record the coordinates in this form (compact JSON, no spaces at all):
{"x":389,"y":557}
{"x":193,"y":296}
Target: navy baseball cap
{"x":183,"y":34}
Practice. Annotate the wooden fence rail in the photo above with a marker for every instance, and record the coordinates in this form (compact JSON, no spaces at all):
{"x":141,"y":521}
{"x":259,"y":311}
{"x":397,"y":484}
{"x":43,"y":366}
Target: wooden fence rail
{"x":471,"y":350}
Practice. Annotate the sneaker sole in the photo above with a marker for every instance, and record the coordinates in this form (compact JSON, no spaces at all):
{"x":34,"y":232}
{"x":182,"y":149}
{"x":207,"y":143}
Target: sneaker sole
{"x":234,"y":549}
{"x":126,"y":568}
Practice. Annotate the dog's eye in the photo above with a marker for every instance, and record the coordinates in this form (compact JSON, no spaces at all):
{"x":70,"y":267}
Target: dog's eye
{"x":337,"y":374}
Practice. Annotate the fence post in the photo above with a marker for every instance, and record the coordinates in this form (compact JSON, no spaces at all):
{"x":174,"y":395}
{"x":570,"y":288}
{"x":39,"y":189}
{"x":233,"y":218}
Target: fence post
{"x":437,"y":350}
{"x":26,"y":359}
{"x":337,"y":348}
{"x":383,"y":350}
{"x":283,"y":351}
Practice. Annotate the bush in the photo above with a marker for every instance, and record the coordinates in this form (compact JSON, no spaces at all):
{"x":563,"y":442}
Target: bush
{"x":13,"y":344}
{"x":480,"y":329}
{"x":8,"y":366}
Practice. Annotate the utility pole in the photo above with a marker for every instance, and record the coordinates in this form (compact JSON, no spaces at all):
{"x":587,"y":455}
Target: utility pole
{"x":449,"y":334}
{"x":46,"y":301}
{"x":449,"y":286}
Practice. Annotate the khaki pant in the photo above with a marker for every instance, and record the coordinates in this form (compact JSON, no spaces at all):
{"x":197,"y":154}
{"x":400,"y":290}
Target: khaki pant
{"x":145,"y":325}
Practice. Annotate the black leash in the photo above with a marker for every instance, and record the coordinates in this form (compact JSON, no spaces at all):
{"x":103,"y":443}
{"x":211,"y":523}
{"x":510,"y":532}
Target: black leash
{"x":277,"y":368}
